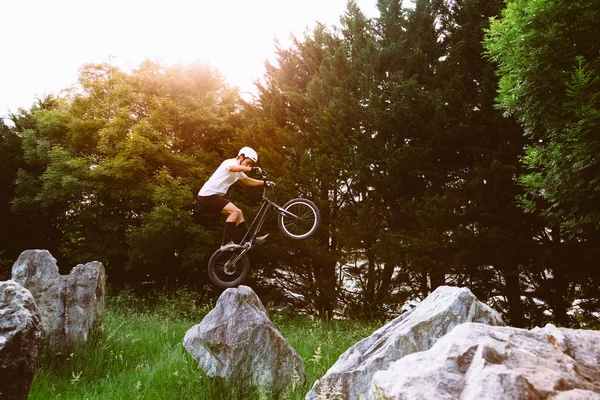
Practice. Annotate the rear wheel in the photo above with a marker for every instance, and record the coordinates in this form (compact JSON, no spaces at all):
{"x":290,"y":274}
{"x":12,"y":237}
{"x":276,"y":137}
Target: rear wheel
{"x":226,"y":274}
{"x":304,"y":221}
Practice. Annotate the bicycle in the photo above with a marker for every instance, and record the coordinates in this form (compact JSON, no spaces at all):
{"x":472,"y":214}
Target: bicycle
{"x":298,"y":219}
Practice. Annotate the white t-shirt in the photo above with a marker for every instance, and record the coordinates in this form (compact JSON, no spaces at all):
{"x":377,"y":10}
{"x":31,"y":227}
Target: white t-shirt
{"x":222,"y":178}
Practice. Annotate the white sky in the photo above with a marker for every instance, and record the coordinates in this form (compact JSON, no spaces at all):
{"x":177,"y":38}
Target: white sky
{"x":45,"y":42}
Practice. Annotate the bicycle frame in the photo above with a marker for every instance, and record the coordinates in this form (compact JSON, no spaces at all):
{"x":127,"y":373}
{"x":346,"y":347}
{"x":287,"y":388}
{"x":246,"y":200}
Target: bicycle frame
{"x":258,"y":222}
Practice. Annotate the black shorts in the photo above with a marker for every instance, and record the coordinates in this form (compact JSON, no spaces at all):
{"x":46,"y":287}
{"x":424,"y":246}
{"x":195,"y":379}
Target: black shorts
{"x":213,"y":203}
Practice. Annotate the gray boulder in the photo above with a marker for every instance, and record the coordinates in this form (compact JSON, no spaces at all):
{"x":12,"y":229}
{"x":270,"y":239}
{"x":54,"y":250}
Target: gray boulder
{"x":477,"y":361}
{"x":20,"y":334}
{"x":238,"y":342}
{"x":416,"y":330}
{"x":71,"y":306}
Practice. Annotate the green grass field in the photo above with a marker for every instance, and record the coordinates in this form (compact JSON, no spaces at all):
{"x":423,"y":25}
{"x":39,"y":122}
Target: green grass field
{"x":139,"y":354}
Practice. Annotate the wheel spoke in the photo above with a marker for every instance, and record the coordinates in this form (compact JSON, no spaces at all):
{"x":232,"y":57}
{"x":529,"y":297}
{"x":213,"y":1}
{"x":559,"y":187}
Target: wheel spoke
{"x":303,"y":223}
{"x":224,"y":275}
{"x":221,"y":268}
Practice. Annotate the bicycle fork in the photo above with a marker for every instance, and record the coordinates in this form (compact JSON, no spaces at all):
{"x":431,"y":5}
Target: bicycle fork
{"x":285,"y":212}
{"x":254,"y":228}
{"x":229,"y":266}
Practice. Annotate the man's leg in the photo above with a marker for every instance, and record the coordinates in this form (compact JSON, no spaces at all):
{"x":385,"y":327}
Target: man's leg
{"x":233,"y":215}
{"x":245,"y":228}
{"x":242,"y":229}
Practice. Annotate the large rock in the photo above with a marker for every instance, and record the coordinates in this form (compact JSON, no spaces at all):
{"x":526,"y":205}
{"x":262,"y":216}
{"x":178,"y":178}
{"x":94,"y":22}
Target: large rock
{"x":71,"y":306}
{"x":416,"y":330}
{"x":477,"y":361}
{"x":238,"y":342}
{"x":20,"y":333}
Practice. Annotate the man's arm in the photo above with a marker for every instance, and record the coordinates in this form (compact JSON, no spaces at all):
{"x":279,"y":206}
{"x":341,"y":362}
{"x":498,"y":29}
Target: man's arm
{"x":252,"y":182}
{"x":239,"y":168}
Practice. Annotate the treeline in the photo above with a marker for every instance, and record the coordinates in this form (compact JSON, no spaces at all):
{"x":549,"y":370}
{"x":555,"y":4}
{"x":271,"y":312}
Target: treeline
{"x":441,"y":149}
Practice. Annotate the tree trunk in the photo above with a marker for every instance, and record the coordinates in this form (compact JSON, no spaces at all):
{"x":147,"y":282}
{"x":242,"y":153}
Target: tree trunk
{"x":370,"y":306}
{"x":436,"y":279}
{"x":327,"y":284}
{"x":513,"y":294}
{"x":386,"y":280}
{"x":560,"y":282}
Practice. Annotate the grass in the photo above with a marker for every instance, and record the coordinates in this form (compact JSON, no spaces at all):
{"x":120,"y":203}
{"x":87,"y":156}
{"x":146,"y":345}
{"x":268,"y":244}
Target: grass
{"x":139,"y":354}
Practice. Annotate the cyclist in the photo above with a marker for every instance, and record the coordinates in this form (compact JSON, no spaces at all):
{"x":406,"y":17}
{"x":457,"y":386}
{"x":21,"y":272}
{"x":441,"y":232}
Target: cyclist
{"x":211,"y":195}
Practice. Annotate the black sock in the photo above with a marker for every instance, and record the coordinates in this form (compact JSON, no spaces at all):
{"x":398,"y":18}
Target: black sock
{"x":244,"y":225}
{"x":228,"y":232}
{"x":242,"y":229}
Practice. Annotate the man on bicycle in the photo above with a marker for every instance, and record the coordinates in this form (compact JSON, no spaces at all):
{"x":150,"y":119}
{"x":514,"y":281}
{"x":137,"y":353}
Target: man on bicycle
{"x":211,"y":195}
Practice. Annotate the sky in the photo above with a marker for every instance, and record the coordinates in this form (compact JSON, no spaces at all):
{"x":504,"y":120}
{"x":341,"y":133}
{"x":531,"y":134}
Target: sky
{"x":44,"y":43}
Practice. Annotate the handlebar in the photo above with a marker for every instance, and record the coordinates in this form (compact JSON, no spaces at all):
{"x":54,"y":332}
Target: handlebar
{"x":267,"y":184}
{"x":261,"y":171}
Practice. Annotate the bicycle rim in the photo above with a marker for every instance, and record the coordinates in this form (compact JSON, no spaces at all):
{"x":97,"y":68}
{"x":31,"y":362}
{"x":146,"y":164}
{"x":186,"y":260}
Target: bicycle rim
{"x":226,"y":275}
{"x":306,"y":223}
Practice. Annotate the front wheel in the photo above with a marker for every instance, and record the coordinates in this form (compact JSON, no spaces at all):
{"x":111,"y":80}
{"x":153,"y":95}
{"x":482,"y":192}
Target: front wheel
{"x":301,"y":220}
{"x":224,"y":272}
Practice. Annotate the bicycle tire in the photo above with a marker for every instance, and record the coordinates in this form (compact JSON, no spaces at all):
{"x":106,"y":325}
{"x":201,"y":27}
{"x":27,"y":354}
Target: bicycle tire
{"x":308,"y":222}
{"x":227,"y":279}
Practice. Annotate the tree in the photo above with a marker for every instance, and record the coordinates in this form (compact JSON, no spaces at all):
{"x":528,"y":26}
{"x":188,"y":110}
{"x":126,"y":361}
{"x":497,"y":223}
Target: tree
{"x":492,"y":236}
{"x":11,"y":159}
{"x":114,"y":167}
{"x":449,"y":158}
{"x":395,"y":120}
{"x":298,"y":144}
{"x":35,"y":222}
{"x":549,"y":79}
{"x":409,"y":124}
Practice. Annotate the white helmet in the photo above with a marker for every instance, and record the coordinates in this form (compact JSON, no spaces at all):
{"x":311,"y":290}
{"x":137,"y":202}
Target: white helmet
{"x":248,"y":152}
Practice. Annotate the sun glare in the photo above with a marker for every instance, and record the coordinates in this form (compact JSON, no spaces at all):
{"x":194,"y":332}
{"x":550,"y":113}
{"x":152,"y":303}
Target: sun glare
{"x":234,"y":36}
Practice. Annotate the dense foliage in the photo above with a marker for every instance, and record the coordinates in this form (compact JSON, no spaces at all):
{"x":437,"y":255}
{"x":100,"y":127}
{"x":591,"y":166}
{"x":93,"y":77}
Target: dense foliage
{"x":440,"y":148}
{"x":110,"y":171}
{"x":549,"y":68}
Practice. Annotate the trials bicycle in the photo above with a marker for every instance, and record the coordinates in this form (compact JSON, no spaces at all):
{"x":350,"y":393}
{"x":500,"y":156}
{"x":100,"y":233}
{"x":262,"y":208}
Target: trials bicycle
{"x":298,"y":219}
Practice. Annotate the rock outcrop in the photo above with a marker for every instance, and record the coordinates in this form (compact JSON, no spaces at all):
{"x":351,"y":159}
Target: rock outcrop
{"x":20,"y":334}
{"x":476,"y":361}
{"x":238,"y":342}
{"x":416,"y":330}
{"x":70,"y":306}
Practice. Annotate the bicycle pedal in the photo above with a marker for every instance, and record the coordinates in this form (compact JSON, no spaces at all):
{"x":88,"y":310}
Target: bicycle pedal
{"x":229,"y":246}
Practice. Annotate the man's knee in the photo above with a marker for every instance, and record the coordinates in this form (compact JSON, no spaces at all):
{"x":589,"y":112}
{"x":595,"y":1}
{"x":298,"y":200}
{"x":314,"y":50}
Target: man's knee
{"x":238,"y":213}
{"x":232,"y":210}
